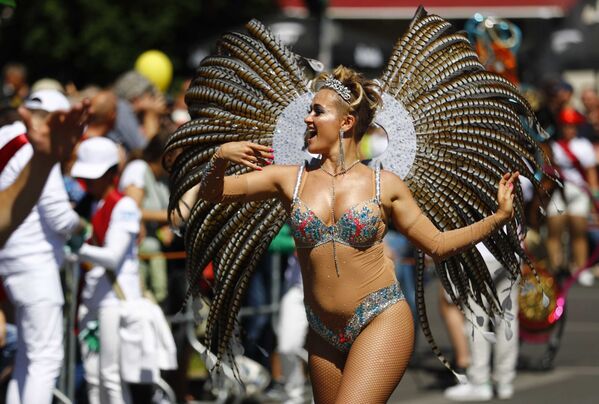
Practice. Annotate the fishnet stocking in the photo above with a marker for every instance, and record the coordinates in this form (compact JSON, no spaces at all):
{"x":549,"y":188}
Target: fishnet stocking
{"x":326,"y":368}
{"x":374,"y":366}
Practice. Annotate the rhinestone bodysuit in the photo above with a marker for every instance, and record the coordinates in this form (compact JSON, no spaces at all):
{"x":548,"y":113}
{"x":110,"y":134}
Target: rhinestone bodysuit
{"x":367,"y":310}
{"x":358,"y":227}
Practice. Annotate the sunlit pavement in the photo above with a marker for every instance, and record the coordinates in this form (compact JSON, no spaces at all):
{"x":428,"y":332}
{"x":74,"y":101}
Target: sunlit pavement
{"x":574,"y":378}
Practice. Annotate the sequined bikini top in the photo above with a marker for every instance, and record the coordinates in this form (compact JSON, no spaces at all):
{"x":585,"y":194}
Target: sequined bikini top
{"x":358,"y":226}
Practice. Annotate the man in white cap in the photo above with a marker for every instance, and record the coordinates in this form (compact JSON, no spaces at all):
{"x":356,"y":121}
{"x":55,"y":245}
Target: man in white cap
{"x":114,"y":275}
{"x":30,"y":262}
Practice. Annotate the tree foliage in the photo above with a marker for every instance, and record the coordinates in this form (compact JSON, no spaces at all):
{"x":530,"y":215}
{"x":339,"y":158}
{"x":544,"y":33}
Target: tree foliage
{"x":94,"y":41}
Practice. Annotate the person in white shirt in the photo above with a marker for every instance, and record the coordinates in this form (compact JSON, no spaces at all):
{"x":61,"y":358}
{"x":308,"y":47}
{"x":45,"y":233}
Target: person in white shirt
{"x":491,"y":363}
{"x":570,"y":207}
{"x":30,"y":262}
{"x":144,"y":180}
{"x":493,"y":354}
{"x":112,"y":253}
{"x":52,"y":142}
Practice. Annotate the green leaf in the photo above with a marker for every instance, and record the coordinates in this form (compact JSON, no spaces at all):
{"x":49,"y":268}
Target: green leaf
{"x":10,"y":3}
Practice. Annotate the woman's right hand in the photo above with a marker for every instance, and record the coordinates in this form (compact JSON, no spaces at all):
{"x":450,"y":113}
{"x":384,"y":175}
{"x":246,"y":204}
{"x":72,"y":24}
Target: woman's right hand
{"x":246,"y":153}
{"x":505,"y":196}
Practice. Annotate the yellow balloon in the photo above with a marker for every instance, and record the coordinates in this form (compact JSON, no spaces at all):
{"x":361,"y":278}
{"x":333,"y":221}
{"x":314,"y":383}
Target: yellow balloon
{"x":156,"y":67}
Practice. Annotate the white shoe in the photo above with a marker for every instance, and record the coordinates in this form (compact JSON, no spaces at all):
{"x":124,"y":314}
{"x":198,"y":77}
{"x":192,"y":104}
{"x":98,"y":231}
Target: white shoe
{"x":469,"y":392}
{"x":586,"y":278}
{"x":505,"y":391}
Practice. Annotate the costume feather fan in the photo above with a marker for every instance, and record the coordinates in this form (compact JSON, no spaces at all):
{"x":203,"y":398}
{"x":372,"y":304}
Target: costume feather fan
{"x":465,"y":128}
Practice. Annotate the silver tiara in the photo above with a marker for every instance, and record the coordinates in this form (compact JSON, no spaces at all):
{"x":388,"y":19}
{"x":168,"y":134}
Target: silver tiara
{"x":337,"y":86}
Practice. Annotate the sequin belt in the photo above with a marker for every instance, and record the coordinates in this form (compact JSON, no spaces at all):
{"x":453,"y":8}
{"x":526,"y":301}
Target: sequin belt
{"x":366,"y":311}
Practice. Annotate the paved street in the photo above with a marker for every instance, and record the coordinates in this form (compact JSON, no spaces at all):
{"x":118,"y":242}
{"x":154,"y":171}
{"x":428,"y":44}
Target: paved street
{"x":575,"y":378}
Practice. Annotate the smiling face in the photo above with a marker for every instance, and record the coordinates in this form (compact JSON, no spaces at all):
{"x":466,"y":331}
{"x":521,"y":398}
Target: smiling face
{"x":325,"y":119}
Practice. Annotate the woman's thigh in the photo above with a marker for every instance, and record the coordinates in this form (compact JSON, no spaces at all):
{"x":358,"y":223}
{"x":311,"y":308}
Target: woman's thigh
{"x":326,"y":368}
{"x":378,"y":357}
{"x":556,"y":225}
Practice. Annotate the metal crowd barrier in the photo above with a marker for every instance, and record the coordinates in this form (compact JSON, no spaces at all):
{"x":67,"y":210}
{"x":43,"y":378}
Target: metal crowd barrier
{"x":65,"y":390}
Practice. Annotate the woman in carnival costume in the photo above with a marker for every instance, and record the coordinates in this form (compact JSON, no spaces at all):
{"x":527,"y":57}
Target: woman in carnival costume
{"x":455,"y":131}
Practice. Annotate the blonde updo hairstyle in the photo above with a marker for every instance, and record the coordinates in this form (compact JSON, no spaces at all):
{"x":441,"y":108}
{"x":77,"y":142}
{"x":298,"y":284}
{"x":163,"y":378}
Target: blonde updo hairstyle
{"x":365,"y":96}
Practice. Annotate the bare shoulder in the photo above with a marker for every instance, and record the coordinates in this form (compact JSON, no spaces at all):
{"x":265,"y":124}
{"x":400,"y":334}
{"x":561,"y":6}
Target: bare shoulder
{"x":388,"y":177}
{"x":392,"y":187}
{"x":282,"y":171}
{"x":283,"y":176}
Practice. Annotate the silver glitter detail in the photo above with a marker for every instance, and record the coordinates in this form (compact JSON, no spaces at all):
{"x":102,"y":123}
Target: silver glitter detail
{"x":341,"y":160}
{"x":338,"y":87}
{"x":334,"y":227}
{"x":297,"y":183}
{"x":377,"y":181}
{"x":373,"y":305}
{"x":401,"y":151}
{"x":288,"y":138}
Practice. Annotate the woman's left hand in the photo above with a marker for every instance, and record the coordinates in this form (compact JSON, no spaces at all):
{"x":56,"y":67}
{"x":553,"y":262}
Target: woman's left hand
{"x":505,"y":195}
{"x":56,"y":137}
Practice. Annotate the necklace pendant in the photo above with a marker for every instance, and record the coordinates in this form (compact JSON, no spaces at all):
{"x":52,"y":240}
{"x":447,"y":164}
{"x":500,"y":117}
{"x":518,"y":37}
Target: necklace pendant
{"x":343,"y":170}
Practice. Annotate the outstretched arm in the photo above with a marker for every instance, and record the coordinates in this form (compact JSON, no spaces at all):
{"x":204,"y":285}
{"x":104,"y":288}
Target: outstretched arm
{"x":18,"y":199}
{"x":217,"y":187}
{"x":409,"y":219}
{"x":256,"y":185}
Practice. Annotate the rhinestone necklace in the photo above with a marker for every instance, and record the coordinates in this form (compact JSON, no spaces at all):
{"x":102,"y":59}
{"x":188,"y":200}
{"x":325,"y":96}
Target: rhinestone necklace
{"x":333,"y":226}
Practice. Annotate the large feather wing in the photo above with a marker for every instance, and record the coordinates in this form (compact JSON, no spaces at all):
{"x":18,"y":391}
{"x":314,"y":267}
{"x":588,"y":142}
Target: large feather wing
{"x":237,"y":94}
{"x":470,"y":127}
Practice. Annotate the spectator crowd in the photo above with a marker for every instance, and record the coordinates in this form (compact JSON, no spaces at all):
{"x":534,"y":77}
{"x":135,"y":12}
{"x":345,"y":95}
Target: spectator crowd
{"x":108,"y":205}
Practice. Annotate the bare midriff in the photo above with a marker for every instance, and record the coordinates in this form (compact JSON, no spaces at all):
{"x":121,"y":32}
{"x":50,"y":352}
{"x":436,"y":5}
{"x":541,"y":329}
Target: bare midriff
{"x":361,"y":271}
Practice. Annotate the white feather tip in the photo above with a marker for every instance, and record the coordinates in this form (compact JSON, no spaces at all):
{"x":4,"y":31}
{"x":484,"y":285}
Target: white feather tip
{"x":545,"y":300}
{"x":490,"y":337}
{"x":462,"y":379}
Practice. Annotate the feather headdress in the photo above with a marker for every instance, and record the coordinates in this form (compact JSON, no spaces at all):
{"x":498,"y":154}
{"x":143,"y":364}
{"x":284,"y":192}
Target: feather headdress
{"x":453,"y":129}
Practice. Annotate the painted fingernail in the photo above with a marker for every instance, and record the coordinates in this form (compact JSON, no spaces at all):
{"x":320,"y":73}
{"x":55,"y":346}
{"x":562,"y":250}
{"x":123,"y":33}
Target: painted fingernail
{"x":271,"y":150}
